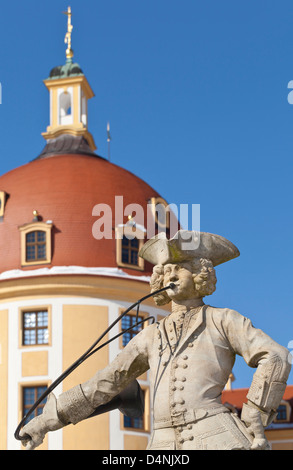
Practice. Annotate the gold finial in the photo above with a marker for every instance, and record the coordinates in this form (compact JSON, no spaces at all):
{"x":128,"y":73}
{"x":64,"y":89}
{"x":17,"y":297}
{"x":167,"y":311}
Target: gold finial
{"x":36,"y":215}
{"x":67,"y":39}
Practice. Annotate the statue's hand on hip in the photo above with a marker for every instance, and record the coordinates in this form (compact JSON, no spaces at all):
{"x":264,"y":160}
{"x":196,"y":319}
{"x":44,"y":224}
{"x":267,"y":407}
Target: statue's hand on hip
{"x":252,"y":419}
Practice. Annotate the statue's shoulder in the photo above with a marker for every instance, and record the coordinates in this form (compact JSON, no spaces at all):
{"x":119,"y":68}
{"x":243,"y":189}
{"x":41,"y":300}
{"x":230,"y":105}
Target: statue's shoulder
{"x":221,"y":314}
{"x":219,"y":310}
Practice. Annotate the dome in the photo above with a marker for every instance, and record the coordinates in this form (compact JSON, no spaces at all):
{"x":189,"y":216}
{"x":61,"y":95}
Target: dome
{"x":64,"y":189}
{"x":47,"y":216}
{"x":68,"y":70}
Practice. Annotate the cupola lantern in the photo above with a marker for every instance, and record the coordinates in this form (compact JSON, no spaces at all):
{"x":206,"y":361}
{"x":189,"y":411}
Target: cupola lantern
{"x":69,"y":94}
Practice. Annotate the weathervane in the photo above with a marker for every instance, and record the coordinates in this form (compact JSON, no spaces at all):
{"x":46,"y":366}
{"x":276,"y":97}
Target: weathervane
{"x":67,"y":39}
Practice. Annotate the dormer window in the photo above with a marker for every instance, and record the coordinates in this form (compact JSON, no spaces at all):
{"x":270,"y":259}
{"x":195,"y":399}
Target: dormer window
{"x":130,"y":248}
{"x":2,"y":203}
{"x":35,"y":241}
{"x":160,"y":212}
{"x":35,"y":245}
{"x":283,"y":412}
{"x":129,"y":240}
{"x":163,"y":218}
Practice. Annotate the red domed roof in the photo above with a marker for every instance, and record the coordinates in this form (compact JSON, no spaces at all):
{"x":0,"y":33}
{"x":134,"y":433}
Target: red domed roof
{"x":64,"y":189}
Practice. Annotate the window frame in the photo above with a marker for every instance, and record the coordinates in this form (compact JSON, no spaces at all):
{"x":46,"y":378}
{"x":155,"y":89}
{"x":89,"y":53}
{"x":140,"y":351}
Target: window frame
{"x":130,"y":249}
{"x":146,"y":416}
{"x":154,"y":201}
{"x":35,"y":244}
{"x":65,"y":97}
{"x":132,"y":313}
{"x":36,"y":227}
{"x":125,"y":230}
{"x":22,"y":386}
{"x":288,"y":412}
{"x":34,"y":309}
{"x":3,"y":197}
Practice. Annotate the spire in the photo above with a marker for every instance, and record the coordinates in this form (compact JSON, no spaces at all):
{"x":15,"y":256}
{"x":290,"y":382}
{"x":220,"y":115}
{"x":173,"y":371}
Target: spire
{"x":67,"y":39}
{"x":69,"y":94}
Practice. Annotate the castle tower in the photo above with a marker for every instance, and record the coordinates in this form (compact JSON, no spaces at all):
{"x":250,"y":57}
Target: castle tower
{"x":62,"y":282}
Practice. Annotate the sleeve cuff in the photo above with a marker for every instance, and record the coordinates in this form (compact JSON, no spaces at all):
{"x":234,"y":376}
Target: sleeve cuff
{"x":73,"y":407}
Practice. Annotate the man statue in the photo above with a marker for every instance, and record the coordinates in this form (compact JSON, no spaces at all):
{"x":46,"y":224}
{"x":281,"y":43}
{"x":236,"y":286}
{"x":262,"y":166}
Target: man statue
{"x":190,"y":355}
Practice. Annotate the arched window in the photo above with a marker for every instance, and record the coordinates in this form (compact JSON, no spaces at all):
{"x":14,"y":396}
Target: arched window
{"x":65,"y":108}
{"x":160,"y":212}
{"x":35,"y":243}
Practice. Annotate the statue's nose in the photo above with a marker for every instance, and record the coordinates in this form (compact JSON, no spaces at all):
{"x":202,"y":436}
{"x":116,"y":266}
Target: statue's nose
{"x":174,"y":277}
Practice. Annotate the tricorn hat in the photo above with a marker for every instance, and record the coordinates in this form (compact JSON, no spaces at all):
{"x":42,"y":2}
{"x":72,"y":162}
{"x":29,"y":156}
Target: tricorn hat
{"x":187,"y":245}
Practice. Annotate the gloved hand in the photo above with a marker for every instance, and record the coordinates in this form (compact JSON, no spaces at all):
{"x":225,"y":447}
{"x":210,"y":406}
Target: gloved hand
{"x":38,"y":427}
{"x":253,"y":421}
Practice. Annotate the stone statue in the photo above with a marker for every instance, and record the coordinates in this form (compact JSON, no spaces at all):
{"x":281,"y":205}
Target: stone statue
{"x":190,"y":355}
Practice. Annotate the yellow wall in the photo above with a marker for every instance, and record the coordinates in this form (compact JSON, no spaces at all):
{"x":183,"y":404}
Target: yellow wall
{"x":82,"y":325}
{"x":3,"y":377}
{"x":109,"y":288}
{"x":132,"y":442}
{"x":282,"y":446}
{"x":34,"y":363}
{"x":284,"y":436}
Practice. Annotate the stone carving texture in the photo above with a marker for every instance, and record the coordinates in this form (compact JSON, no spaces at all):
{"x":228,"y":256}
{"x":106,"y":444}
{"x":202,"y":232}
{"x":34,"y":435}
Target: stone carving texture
{"x":190,"y":355}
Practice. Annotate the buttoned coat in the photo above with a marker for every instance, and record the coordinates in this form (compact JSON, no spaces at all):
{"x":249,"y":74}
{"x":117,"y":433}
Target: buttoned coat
{"x":188,"y":371}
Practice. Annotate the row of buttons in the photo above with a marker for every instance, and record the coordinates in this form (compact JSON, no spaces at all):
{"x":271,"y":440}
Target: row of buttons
{"x":179,"y":386}
{"x":171,"y":338}
{"x":181,"y":429}
{"x":182,"y":439}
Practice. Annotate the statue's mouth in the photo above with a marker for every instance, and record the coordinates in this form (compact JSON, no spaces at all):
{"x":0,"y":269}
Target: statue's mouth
{"x":174,"y":285}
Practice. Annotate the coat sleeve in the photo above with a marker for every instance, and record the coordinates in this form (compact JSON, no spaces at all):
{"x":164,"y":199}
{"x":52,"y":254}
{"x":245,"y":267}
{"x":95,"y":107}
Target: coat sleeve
{"x":81,"y":401}
{"x":127,"y":366}
{"x":270,"y":359}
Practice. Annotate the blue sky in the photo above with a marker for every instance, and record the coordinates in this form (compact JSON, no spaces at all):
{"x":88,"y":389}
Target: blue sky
{"x":196,"y":96}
